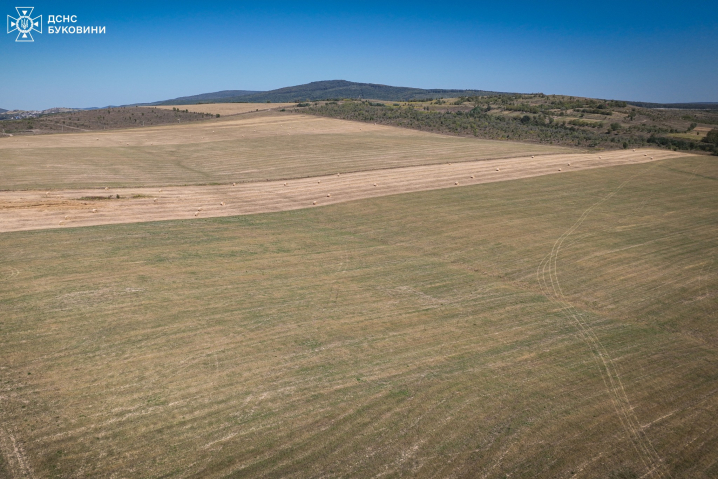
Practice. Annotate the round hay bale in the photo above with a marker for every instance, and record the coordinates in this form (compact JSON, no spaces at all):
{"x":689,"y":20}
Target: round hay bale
{"x":456,"y":183}
{"x":634,"y":150}
{"x":318,"y":181}
{"x":559,"y":169}
{"x":160,"y":190}
{"x":105,"y":188}
{"x":94,"y":210}
{"x":196,"y":213}
{"x":222,"y":203}
{"x":472,"y":177}
{"x":568,"y":164}
{"x":651,"y":157}
{"x":314,"y":202}
{"x":66,"y":216}
{"x":599,"y":157}
{"x":329,"y":195}
{"x":532,"y":156}
{"x":374,"y":184}
{"x":199,"y":209}
{"x":234,"y":184}
{"x":285,"y":184}
{"x":155,"y":200}
{"x":497,"y":169}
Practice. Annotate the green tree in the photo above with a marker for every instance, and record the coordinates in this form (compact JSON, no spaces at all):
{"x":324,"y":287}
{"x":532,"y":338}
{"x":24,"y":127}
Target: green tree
{"x":712,"y":137}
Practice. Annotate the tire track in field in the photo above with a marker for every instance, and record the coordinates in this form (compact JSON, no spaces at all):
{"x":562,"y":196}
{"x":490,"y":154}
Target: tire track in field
{"x":14,"y":456}
{"x":9,"y":276}
{"x":547,"y":276}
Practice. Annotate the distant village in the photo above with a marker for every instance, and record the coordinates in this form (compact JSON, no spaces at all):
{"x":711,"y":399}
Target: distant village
{"x":23,"y":114}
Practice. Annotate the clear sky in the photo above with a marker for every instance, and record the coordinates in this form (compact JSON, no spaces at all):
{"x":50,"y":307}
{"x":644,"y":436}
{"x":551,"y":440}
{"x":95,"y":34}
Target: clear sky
{"x":649,"y":51}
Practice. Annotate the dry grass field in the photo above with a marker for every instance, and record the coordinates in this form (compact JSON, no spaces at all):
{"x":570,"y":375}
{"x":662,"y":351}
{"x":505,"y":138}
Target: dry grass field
{"x":228,"y":109}
{"x":239,"y":149}
{"x":557,"y":326}
{"x":28,"y":210}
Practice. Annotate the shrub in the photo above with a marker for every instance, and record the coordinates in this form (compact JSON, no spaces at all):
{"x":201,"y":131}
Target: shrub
{"x":712,"y":137}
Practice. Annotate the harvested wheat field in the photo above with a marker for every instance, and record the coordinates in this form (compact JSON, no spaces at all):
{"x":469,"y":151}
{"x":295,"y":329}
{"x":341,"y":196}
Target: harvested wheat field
{"x":555,"y":326}
{"x":27,"y":210}
{"x":227,"y":109}
{"x":248,"y":148}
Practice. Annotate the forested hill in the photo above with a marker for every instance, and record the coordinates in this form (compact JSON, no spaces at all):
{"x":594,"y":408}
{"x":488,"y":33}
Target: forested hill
{"x":218,"y":96}
{"x":325,"y":90}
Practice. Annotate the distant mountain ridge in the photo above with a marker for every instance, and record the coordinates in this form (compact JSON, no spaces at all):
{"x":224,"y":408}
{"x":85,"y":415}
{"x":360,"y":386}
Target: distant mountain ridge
{"x":324,"y":90}
{"x":223,"y":95}
{"x":341,"y":89}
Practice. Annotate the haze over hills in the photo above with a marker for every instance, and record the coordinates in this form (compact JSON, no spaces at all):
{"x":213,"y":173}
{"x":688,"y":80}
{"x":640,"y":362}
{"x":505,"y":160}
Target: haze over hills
{"x":2,"y":110}
{"x":324,"y":90}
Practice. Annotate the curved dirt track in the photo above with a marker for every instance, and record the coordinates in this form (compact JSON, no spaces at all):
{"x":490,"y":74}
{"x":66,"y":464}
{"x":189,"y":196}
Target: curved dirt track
{"x":33,"y":210}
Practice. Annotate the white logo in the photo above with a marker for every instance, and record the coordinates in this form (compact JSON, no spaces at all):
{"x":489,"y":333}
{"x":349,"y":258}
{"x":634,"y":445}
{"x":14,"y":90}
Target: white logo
{"x":24,"y":24}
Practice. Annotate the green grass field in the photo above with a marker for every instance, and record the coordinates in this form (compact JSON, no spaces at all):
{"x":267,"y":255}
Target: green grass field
{"x":403,"y":336}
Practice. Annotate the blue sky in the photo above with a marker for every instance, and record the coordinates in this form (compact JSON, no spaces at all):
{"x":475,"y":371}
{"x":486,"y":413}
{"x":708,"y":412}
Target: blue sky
{"x":649,"y":51}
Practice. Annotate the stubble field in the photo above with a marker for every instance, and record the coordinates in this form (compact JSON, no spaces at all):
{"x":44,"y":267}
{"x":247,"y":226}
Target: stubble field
{"x":556,"y":326}
{"x":249,"y":148}
{"x":29,"y":210}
